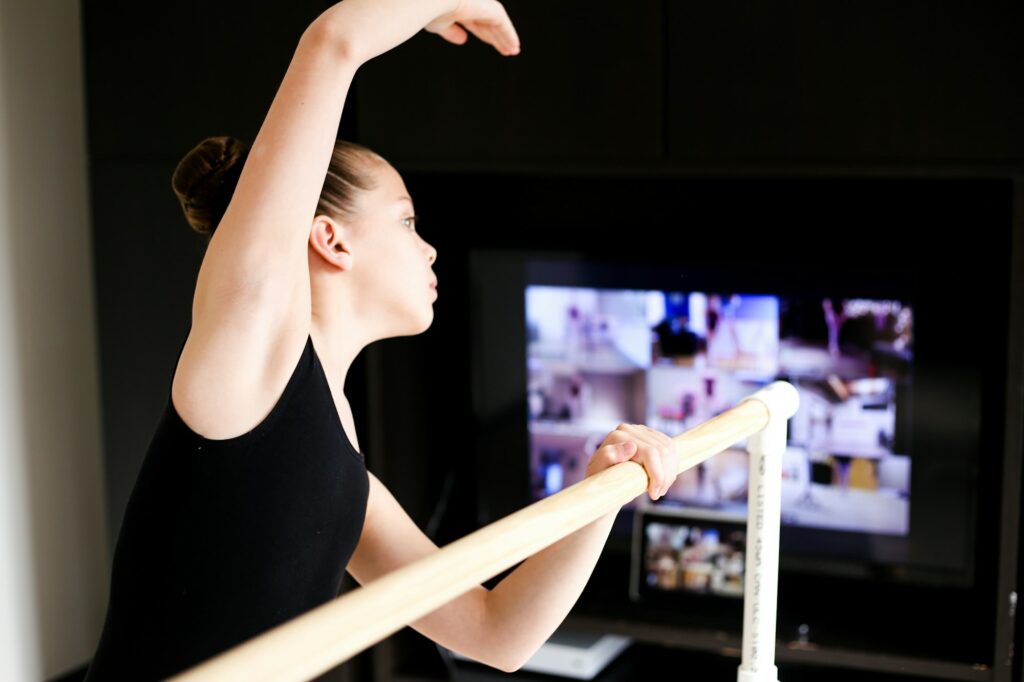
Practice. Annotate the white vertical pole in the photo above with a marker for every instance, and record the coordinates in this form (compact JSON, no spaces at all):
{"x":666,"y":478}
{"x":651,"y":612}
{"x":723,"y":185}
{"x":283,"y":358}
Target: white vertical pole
{"x":764,"y":501}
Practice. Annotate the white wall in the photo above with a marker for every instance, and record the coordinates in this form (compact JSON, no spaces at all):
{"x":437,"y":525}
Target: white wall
{"x":53,"y":539}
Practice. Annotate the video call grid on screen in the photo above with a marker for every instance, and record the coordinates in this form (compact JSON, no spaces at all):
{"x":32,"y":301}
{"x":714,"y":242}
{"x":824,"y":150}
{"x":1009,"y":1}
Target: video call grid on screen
{"x":598,"y":357}
{"x":602,"y":353}
{"x":675,"y":555}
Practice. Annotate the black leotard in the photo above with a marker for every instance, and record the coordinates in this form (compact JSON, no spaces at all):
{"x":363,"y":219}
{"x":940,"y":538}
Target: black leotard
{"x":223,"y":539}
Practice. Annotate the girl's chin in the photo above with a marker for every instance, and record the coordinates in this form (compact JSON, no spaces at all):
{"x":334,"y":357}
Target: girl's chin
{"x":426,"y":322}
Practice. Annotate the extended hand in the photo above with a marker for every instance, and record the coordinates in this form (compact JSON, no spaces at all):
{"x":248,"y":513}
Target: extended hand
{"x":653,"y":449}
{"x":486,"y":19}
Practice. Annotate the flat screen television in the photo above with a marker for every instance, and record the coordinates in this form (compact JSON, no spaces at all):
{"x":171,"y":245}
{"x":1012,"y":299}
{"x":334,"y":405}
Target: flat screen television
{"x":600,"y":356}
{"x":900,"y":400}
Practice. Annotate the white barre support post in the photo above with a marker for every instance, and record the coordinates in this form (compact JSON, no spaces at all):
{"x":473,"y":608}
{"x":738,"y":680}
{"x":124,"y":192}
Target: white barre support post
{"x":764,"y":501}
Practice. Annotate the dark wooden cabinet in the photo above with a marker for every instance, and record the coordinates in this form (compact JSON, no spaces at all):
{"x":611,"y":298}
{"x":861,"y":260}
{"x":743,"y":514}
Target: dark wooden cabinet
{"x":802,"y":81}
{"x":587,"y":88}
{"x":722,"y":83}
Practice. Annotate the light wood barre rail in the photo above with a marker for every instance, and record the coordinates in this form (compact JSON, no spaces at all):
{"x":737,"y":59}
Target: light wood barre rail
{"x":323,"y":637}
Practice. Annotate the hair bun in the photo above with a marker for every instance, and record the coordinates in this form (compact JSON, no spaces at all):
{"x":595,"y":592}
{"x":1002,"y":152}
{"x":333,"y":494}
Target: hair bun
{"x":205,"y":180}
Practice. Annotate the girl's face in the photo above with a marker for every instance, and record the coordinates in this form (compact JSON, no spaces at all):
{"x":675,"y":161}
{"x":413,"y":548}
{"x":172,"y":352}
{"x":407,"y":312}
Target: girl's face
{"x":392,"y":260}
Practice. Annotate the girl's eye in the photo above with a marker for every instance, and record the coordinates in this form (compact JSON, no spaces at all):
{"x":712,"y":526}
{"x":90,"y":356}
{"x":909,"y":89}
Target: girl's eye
{"x":413,"y":218}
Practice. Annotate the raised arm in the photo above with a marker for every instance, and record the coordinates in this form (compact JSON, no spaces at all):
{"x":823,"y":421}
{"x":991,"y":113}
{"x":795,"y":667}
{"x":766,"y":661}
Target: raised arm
{"x":252,"y":294}
{"x":265,"y":228}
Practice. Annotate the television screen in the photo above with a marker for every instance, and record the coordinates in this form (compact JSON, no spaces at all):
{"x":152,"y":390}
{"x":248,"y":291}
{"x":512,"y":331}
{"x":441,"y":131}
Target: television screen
{"x":597,"y":357}
{"x":671,"y":347}
{"x":673,"y":554}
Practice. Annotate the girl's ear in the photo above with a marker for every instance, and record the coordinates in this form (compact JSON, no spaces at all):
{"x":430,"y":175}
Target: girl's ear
{"x":329,"y":238}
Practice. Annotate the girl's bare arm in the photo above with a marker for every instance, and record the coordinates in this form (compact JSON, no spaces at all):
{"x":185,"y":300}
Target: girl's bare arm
{"x":391,"y":539}
{"x":263,"y":234}
{"x":528,"y":605}
{"x":252,"y":293}
{"x":503,"y":627}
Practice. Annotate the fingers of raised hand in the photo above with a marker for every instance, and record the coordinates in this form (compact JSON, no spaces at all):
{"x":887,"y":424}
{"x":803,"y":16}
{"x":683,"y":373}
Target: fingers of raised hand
{"x":487,"y":20}
{"x":500,"y":34}
{"x":454,"y":34}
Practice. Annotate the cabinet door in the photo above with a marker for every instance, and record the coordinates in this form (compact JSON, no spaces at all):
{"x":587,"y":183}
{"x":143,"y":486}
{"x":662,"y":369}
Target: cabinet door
{"x":161,"y":76}
{"x":802,"y":80}
{"x":586,"y":88}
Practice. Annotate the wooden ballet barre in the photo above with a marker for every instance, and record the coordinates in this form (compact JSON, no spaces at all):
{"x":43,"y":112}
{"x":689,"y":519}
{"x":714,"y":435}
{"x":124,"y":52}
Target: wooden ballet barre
{"x":327,"y":635}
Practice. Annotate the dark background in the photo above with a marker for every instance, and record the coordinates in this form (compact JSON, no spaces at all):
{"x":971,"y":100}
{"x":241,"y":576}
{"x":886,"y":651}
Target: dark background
{"x":613,"y":120}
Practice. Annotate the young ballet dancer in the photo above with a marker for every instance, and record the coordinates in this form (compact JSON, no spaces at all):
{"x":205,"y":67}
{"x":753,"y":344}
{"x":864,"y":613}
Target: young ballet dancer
{"x":253,"y":497}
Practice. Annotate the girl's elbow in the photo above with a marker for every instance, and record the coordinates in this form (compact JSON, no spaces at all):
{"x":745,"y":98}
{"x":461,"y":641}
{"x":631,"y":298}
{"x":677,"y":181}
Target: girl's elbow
{"x":504,"y":664}
{"x":506,"y":668}
{"x":514,"y":663}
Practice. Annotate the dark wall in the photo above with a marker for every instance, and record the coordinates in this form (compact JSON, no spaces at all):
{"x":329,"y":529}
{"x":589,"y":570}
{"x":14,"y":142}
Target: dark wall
{"x":614,"y":89}
{"x":705,"y":84}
